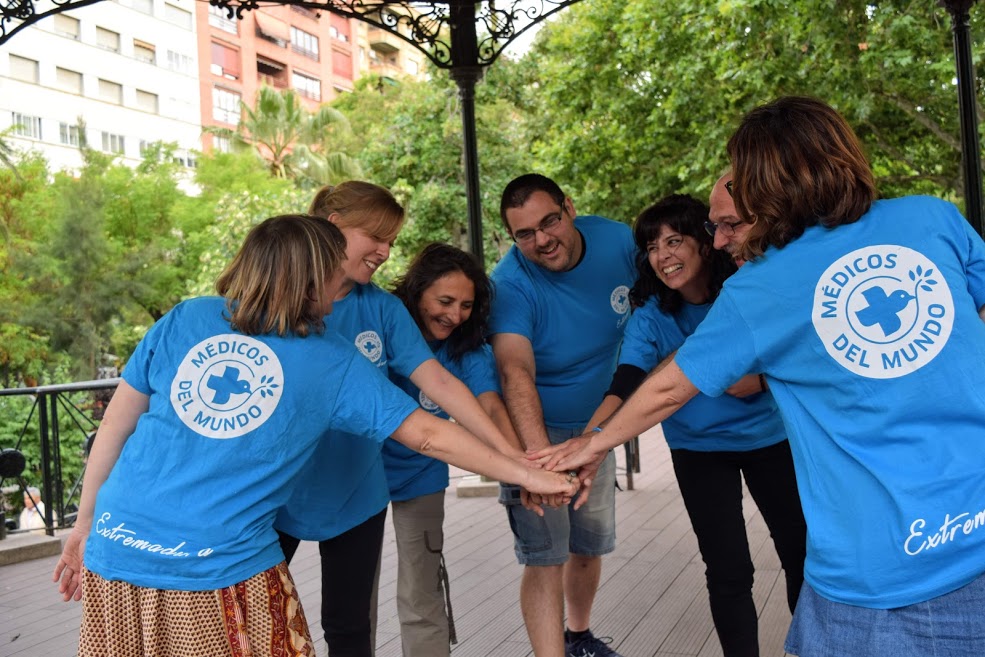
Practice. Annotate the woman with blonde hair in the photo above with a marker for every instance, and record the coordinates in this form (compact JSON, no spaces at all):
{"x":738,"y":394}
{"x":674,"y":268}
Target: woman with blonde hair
{"x":350,"y":535}
{"x":866,"y":317}
{"x":174,"y":551}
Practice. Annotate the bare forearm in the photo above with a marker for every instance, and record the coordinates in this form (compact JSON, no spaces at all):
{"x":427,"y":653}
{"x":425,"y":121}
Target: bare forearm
{"x":610,"y":404}
{"x":523,"y":403}
{"x":494,"y":407}
{"x":452,"y":444}
{"x":662,"y":393}
{"x":457,"y":400}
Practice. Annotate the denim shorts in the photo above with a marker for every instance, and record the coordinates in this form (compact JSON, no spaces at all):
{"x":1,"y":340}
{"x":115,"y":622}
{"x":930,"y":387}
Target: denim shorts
{"x":590,"y":531}
{"x":952,"y":624}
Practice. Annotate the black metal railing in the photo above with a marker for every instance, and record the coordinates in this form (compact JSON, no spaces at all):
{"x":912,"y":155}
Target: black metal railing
{"x":57,"y":411}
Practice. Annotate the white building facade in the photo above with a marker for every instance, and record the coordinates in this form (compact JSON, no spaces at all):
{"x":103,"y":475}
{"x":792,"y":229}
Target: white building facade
{"x":127,"y":68}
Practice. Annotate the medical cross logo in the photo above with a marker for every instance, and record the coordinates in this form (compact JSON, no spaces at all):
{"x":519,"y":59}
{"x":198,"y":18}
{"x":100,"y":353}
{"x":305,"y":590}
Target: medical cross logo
{"x":369,"y":345}
{"x":427,"y":404}
{"x":619,"y":299}
{"x":883,"y":311}
{"x":227,"y":386}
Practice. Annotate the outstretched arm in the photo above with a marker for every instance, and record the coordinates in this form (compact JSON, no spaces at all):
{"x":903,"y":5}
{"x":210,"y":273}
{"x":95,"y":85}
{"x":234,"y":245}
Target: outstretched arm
{"x":458,"y":401}
{"x":118,"y":424}
{"x":448,"y":442}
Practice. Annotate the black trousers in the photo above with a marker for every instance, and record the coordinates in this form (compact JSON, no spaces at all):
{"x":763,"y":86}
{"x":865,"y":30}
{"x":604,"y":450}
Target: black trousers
{"x":348,"y":569}
{"x":711,"y":486}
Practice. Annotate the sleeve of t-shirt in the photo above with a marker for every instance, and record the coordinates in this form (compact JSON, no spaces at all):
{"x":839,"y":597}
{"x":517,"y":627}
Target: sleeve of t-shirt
{"x":974,"y":264}
{"x":720,"y":351}
{"x":368,"y":404}
{"x":640,"y":345}
{"x":479,"y":371}
{"x":512,"y":311}
{"x":137,"y":370}
{"x":406,"y":347}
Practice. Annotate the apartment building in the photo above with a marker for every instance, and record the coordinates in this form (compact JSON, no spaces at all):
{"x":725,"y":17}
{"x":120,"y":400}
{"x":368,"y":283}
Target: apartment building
{"x":317,"y":54}
{"x":128,"y":68}
{"x":140,"y":71}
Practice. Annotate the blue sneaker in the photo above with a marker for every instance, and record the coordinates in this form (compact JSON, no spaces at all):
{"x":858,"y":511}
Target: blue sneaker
{"x":588,"y":645}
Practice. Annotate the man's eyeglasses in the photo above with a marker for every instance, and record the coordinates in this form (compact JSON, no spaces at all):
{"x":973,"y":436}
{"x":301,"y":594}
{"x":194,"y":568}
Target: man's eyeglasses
{"x":727,"y":227}
{"x":527,"y":234}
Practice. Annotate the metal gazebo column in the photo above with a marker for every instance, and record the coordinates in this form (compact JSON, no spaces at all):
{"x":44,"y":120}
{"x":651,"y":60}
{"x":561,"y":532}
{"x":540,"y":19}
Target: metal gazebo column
{"x":465,"y":71}
{"x":970,"y":149}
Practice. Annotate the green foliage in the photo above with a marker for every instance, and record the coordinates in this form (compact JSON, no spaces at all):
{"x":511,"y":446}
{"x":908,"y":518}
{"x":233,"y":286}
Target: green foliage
{"x":631,"y":101}
{"x":294,"y":142}
{"x":409,"y":138}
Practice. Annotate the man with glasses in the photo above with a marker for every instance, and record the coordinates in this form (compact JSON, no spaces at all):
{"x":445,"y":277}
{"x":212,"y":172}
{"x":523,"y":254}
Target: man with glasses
{"x":560,"y":308}
{"x":723,"y":221}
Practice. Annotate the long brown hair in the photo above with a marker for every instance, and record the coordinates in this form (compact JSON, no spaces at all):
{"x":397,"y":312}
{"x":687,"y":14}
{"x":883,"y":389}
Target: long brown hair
{"x":271,"y":284}
{"x":796,"y":163}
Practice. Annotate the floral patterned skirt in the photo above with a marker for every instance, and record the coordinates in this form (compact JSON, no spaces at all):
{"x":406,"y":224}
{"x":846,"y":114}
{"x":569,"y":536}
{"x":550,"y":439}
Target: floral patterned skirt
{"x":260,"y":617}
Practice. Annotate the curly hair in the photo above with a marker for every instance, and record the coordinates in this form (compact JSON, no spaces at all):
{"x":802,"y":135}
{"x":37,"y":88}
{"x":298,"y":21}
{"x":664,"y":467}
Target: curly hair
{"x":796,"y":163}
{"x":686,"y":215}
{"x":434,"y":261}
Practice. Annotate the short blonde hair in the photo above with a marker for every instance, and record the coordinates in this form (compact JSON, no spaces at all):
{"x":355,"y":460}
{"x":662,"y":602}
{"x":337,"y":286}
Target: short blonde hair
{"x":280,"y":270}
{"x":361,"y":205}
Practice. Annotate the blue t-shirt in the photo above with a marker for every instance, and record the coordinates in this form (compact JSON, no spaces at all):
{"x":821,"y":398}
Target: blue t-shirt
{"x":322,"y":506}
{"x":704,"y":424}
{"x":573,"y":319}
{"x":409,"y":473}
{"x":870,"y":336}
{"x":191,"y":501}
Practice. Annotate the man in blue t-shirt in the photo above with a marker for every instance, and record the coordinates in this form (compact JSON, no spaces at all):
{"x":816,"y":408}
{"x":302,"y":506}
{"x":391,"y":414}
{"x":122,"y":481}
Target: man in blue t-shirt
{"x":561,"y":305}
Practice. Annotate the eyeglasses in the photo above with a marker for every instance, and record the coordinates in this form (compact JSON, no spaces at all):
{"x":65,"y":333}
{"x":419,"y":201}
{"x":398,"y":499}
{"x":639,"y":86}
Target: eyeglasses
{"x":727,"y":227}
{"x":527,"y":234}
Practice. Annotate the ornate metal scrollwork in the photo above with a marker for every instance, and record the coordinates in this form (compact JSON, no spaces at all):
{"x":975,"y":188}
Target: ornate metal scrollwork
{"x":451,"y":33}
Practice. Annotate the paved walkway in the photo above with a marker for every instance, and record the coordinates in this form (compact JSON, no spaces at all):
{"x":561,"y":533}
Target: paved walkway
{"x":652,"y":599}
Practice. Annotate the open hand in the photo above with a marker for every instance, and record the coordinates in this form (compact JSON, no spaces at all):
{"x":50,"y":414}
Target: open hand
{"x":68,"y":571}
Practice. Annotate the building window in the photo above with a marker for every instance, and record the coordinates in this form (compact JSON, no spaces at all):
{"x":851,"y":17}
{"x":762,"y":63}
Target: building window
{"x":225,"y":62}
{"x":108,"y":39}
{"x":342,"y":64}
{"x":179,"y":63}
{"x":22,"y":68}
{"x":225,"y":106}
{"x":68,"y":134}
{"x":304,"y":43}
{"x":27,"y":126}
{"x":222,"y":144}
{"x":306,"y":85}
{"x":144,"y":52}
{"x":111,"y":92}
{"x":113,"y":143}
{"x":219,"y":18}
{"x":177,"y":16}
{"x":271,"y":73}
{"x":185,"y":159}
{"x":67,"y":26}
{"x":147,"y":101}
{"x":143,"y":6}
{"x":338,"y":28}
{"x":68,"y":80}
{"x":413,"y":67}
{"x":272,"y":29}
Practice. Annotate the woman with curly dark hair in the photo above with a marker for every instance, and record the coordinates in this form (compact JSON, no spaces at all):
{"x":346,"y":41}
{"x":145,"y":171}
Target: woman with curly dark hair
{"x":714,"y":442}
{"x":448,"y":294}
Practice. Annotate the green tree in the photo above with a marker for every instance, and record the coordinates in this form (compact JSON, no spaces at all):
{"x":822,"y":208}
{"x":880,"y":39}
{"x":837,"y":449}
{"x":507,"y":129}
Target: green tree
{"x":295,"y":142}
{"x":631,"y":101}
{"x":408,"y":135}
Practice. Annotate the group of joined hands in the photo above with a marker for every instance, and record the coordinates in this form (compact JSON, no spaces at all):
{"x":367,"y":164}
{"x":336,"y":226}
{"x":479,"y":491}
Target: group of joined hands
{"x":578,"y":458}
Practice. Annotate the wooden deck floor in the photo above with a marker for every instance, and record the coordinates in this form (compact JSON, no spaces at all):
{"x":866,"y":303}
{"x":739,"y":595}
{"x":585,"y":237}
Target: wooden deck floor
{"x":651,"y":601}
